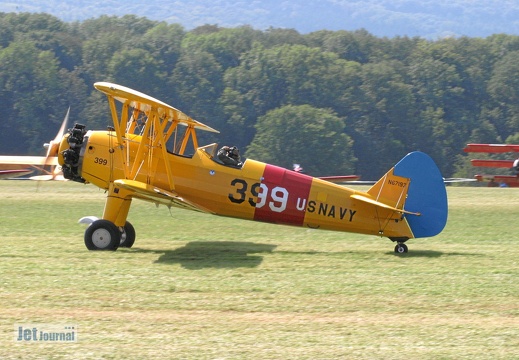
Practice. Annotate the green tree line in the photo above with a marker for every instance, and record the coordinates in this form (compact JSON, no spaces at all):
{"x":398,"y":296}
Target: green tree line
{"x":337,"y":102}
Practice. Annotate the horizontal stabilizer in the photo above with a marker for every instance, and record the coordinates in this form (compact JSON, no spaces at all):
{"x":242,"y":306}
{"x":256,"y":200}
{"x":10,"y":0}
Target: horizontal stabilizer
{"x":381,"y":204}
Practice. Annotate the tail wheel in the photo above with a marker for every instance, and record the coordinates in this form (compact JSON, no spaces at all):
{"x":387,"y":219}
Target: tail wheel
{"x":127,"y":235}
{"x":401,"y":248}
{"x":102,"y":235}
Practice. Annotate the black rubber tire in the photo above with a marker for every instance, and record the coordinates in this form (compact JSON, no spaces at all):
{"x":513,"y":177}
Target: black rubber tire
{"x":401,"y":248}
{"x":127,"y":235}
{"x":102,"y":235}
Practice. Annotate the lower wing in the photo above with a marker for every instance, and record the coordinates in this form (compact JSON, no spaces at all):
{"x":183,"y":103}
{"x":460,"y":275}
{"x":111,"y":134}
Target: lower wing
{"x":155,"y":194}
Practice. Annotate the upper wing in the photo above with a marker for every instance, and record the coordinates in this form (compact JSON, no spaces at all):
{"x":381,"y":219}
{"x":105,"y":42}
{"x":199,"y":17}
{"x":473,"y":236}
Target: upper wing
{"x":28,"y":160}
{"x":155,"y":194}
{"x":145,"y":102}
{"x":491,"y":148}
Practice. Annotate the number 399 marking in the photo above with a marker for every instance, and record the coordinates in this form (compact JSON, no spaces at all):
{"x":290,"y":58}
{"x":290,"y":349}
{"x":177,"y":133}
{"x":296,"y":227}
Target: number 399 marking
{"x":278,"y":194}
{"x":100,"y":161}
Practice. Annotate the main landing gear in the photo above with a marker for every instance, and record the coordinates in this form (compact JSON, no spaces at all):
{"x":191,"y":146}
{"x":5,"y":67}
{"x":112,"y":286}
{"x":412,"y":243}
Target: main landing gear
{"x":105,"y":235}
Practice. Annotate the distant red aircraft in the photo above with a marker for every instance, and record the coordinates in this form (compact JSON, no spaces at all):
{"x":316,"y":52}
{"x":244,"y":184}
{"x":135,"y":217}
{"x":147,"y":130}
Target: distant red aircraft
{"x":10,"y":165}
{"x":509,"y":180}
{"x":8,"y":174}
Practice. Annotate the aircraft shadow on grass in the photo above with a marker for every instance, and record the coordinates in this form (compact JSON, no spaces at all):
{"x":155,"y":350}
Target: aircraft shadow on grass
{"x":410,"y":254}
{"x":419,"y":253}
{"x":214,"y":254}
{"x":198,"y":255}
{"x":429,"y":254}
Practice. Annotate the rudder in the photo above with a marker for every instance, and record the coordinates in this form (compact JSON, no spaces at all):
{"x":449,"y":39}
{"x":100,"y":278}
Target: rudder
{"x":426,"y":194}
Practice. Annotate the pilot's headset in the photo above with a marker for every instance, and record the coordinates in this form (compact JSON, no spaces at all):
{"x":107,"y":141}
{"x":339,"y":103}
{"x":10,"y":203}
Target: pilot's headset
{"x":235,"y":152}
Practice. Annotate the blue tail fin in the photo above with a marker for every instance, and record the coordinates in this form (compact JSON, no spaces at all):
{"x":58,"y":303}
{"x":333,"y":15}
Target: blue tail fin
{"x":426,"y":195}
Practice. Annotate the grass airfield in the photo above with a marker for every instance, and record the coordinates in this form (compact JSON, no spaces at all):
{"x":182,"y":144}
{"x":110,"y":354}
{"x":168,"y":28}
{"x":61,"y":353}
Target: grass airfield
{"x":196,"y":286}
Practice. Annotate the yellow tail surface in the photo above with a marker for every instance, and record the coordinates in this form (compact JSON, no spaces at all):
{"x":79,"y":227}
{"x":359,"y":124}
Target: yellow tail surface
{"x":390,"y":190}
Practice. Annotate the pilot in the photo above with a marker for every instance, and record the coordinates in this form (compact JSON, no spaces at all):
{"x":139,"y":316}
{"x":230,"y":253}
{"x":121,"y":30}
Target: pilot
{"x":229,"y":155}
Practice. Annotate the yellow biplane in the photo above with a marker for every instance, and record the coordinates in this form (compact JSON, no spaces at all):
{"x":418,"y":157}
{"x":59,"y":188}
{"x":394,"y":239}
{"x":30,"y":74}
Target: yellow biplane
{"x":146,"y":155}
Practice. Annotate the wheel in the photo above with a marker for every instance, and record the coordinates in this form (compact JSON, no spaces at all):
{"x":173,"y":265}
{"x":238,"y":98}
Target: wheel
{"x":401,"y":248}
{"x":127,"y":235}
{"x":102,"y":235}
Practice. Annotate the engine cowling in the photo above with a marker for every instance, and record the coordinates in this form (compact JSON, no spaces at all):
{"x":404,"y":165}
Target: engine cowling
{"x":71,"y":153}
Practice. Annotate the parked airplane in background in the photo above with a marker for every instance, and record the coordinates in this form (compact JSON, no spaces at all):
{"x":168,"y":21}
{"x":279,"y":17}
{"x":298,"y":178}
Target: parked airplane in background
{"x":48,"y":164}
{"x":152,"y":153}
{"x":508,"y":180}
{"x":334,"y":179}
{"x":13,"y":173}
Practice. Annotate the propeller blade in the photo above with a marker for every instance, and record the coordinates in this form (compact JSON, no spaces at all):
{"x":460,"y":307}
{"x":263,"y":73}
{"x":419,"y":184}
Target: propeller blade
{"x":52,"y":150}
{"x":53,"y":146}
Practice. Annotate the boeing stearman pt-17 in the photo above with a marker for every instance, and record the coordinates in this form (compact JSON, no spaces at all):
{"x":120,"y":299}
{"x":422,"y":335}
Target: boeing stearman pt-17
{"x":145,"y":155}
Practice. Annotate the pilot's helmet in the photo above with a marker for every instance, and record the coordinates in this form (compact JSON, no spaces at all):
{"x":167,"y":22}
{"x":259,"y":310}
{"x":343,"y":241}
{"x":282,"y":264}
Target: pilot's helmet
{"x":235,"y":153}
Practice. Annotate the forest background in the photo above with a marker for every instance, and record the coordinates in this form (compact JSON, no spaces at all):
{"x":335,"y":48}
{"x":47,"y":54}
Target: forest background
{"x":337,"y":102}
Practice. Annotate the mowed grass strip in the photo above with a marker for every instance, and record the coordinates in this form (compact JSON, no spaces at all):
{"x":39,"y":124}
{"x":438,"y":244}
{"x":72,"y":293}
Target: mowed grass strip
{"x":197,"y":286}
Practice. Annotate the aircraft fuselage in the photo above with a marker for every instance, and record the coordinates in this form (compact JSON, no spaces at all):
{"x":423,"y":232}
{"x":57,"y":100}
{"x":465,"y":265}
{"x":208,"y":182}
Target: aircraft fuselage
{"x":254,"y":191}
